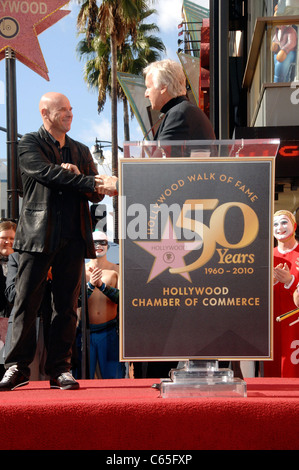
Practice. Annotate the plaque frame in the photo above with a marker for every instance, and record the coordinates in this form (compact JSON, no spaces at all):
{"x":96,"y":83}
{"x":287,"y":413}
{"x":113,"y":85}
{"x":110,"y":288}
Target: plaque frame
{"x":136,"y":184}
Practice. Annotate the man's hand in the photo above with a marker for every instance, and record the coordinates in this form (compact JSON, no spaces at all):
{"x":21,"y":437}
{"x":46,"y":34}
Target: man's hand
{"x":281,"y":56}
{"x":282,"y":274}
{"x":95,"y":277}
{"x":71,"y":167}
{"x":106,"y":185}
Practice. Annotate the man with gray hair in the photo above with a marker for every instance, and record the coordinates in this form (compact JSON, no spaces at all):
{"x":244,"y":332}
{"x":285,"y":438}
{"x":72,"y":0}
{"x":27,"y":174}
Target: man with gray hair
{"x":165,"y":83}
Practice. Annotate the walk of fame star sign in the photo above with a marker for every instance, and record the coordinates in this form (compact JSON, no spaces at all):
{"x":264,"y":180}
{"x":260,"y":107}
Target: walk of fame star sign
{"x":21,"y":22}
{"x":195,"y":250}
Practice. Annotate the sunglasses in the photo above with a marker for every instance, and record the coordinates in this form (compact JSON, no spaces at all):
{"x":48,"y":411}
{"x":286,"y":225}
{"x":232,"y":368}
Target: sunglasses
{"x":101,"y":242}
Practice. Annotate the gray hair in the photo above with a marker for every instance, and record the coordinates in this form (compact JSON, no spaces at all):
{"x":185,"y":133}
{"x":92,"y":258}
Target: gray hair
{"x":168,"y":73}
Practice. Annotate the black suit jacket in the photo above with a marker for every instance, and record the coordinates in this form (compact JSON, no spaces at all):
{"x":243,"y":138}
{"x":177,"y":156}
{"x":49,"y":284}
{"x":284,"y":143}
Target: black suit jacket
{"x":43,"y":181}
{"x":184,"y":121}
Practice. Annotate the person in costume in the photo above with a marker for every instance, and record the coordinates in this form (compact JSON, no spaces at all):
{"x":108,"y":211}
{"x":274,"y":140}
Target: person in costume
{"x":286,"y":278}
{"x":102,"y":278}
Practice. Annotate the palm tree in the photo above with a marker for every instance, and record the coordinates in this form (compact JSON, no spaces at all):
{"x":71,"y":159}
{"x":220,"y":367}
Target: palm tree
{"x":114,"y":19}
{"x":135,"y":56}
{"x":132,"y":57}
{"x":97,"y":68}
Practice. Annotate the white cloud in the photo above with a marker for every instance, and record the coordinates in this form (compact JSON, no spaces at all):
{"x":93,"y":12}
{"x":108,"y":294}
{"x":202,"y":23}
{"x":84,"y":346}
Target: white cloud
{"x":169,"y":14}
{"x":92,"y":130}
{"x":70,"y":5}
{"x":135,"y":130}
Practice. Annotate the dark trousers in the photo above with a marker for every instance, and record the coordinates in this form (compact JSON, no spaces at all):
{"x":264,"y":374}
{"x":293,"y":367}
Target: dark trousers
{"x":67,"y":263}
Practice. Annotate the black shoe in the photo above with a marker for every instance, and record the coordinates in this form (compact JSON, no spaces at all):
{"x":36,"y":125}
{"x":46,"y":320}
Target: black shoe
{"x":64,"y":381}
{"x":12,"y":379}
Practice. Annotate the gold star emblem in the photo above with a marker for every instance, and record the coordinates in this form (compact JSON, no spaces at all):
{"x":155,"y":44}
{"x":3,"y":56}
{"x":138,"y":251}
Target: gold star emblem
{"x":169,"y":252}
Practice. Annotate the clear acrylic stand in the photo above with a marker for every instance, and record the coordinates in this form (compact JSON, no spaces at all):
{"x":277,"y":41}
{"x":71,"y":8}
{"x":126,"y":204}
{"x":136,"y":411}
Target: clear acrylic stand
{"x":202,"y":379}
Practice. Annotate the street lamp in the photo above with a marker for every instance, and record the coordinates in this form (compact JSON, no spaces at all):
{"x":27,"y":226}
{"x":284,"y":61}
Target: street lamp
{"x":98,"y":150}
{"x":12,"y":169}
{"x":3,"y":129}
{"x":104,"y":167}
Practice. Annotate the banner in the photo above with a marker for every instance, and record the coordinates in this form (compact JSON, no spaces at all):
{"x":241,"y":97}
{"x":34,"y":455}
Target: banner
{"x":191,"y":66}
{"x":196,"y":258}
{"x":194,"y":15}
{"x":134,"y":89}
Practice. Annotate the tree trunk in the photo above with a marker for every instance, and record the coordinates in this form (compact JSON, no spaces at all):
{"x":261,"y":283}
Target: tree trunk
{"x":126,"y":120}
{"x":114,"y":139}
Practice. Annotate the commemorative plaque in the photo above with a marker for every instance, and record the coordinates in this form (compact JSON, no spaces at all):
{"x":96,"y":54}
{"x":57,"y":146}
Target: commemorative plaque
{"x":196,"y":252}
{"x":21,"y":21}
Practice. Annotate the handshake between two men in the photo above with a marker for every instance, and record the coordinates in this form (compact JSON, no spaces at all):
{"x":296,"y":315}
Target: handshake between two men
{"x":107,"y":185}
{"x":104,"y":184}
